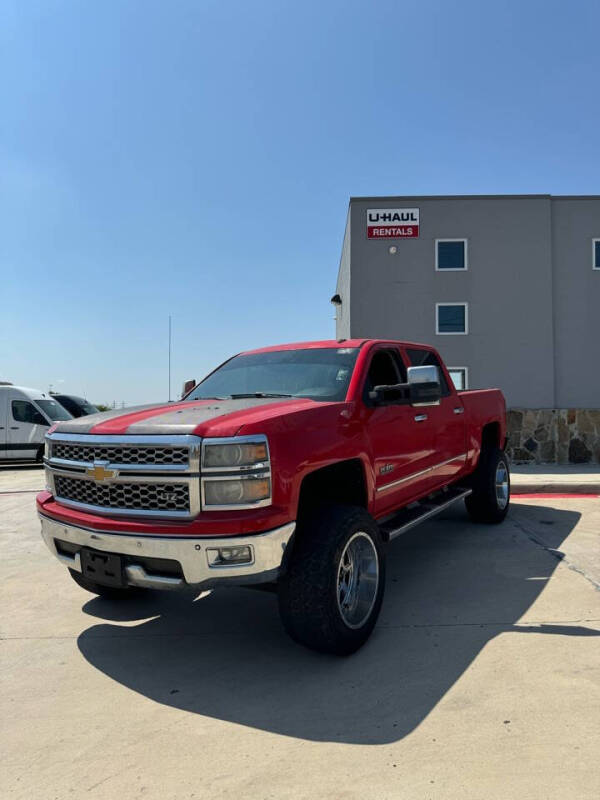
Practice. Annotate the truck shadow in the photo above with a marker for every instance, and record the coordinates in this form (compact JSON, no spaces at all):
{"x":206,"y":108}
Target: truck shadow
{"x":451,"y":588}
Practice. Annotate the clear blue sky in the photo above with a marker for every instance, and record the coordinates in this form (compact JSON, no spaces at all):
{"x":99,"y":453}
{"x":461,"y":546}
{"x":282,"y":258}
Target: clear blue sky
{"x":197,"y":158}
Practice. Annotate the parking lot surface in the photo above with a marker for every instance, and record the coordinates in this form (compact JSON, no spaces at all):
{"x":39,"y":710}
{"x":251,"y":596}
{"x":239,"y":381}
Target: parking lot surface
{"x":482,"y":679}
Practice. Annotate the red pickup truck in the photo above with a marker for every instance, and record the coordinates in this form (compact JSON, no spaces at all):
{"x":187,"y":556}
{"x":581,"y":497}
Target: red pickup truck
{"x":291,"y":466}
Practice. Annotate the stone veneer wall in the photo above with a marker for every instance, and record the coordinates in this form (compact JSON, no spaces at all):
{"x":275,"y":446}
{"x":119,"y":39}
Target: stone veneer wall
{"x":553,"y":435}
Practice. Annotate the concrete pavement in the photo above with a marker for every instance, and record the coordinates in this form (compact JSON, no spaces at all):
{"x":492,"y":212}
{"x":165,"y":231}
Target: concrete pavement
{"x":21,"y":478}
{"x":482,"y":679}
{"x":555,"y":478}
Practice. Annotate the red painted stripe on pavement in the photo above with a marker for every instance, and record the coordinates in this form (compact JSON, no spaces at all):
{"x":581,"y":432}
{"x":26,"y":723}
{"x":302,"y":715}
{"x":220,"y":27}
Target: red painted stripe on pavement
{"x":550,"y":495}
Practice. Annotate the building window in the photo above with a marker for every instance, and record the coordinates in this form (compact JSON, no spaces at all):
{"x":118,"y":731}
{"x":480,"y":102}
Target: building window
{"x":596,"y":253}
{"x":451,"y":318}
{"x":450,"y":254}
{"x":460,"y":377}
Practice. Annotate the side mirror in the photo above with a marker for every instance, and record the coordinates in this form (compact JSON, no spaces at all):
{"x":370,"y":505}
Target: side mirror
{"x":424,"y":386}
{"x":188,"y":386}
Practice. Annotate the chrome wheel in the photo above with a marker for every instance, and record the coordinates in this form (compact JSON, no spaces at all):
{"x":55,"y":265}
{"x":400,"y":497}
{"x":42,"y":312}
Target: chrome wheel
{"x":502,"y":485}
{"x":357,"y":580}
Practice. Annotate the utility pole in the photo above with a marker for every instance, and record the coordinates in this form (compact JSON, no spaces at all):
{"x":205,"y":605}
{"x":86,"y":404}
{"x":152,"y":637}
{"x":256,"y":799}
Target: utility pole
{"x":169,"y":358}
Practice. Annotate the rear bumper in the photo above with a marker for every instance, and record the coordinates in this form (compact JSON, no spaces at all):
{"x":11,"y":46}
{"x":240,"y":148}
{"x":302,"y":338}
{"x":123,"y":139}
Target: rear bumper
{"x":189,"y":552}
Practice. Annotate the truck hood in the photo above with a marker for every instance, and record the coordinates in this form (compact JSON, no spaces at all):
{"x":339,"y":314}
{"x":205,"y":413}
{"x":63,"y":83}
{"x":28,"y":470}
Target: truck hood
{"x":199,"y":417}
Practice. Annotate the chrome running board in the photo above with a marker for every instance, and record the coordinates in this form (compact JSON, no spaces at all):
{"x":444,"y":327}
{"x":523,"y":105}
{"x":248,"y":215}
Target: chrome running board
{"x":411,"y":517}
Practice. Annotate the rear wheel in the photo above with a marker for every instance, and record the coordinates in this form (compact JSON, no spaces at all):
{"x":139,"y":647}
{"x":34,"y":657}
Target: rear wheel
{"x":490,"y":498}
{"x":110,"y":592}
{"x":331,"y":595}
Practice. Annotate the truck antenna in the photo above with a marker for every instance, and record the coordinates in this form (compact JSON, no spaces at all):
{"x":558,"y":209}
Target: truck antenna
{"x":169,"y":358}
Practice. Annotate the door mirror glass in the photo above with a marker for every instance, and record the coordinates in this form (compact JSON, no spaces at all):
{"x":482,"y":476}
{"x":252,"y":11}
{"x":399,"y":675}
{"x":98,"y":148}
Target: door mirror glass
{"x":424,"y":385}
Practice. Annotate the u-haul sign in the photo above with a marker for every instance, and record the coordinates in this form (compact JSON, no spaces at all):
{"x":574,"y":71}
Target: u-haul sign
{"x":392,"y":223}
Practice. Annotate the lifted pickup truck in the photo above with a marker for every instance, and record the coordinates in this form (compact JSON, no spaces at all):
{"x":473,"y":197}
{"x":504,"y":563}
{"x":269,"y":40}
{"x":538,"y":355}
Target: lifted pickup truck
{"x":292,"y":466}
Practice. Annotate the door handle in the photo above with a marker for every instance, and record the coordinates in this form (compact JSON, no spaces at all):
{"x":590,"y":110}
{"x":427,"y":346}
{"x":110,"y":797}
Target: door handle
{"x":459,"y":410}
{"x":14,"y":427}
{"x":420,"y":417}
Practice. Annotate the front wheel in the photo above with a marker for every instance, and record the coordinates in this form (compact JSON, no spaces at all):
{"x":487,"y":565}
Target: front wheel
{"x":331,"y":595}
{"x":490,"y":498}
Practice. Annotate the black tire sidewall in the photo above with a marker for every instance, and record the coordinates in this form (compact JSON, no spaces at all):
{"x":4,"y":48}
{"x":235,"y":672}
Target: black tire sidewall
{"x":308,"y":593}
{"x":482,"y":504}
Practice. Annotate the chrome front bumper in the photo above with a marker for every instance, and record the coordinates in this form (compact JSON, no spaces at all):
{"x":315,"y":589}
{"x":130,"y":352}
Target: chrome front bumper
{"x":191,"y":553}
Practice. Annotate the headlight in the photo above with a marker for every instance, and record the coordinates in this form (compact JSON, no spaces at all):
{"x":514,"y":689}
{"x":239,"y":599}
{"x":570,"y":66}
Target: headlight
{"x":236,"y":473}
{"x":219,"y":456}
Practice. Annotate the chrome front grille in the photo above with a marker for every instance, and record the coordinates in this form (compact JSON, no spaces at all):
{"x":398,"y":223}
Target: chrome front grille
{"x":139,"y":496}
{"x":128,"y":475}
{"x":130,"y":454}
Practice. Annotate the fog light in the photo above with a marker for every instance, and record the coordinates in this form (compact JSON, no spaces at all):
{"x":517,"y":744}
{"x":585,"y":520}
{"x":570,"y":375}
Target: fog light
{"x":225,"y":556}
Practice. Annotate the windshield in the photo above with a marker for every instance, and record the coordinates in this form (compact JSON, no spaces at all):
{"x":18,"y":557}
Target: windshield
{"x":53,"y":410}
{"x":318,"y":373}
{"x":78,"y":406}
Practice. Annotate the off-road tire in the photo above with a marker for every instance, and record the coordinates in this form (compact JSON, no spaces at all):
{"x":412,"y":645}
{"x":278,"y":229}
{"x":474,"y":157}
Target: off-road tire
{"x":484,"y":504}
{"x":109,"y":592}
{"x":308,"y":592}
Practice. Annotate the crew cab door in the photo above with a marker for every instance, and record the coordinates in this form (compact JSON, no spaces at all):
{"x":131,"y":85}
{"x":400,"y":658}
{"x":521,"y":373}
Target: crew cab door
{"x":445,"y":422}
{"x":400,"y":446}
{"x":26,"y":428}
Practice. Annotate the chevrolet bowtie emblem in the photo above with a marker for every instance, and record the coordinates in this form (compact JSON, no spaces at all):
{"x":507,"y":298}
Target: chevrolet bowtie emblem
{"x":99,"y":473}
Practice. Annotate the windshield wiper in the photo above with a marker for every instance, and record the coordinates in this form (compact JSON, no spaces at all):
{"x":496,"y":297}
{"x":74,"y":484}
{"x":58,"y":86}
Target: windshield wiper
{"x":211,"y":397}
{"x":258,"y":394}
